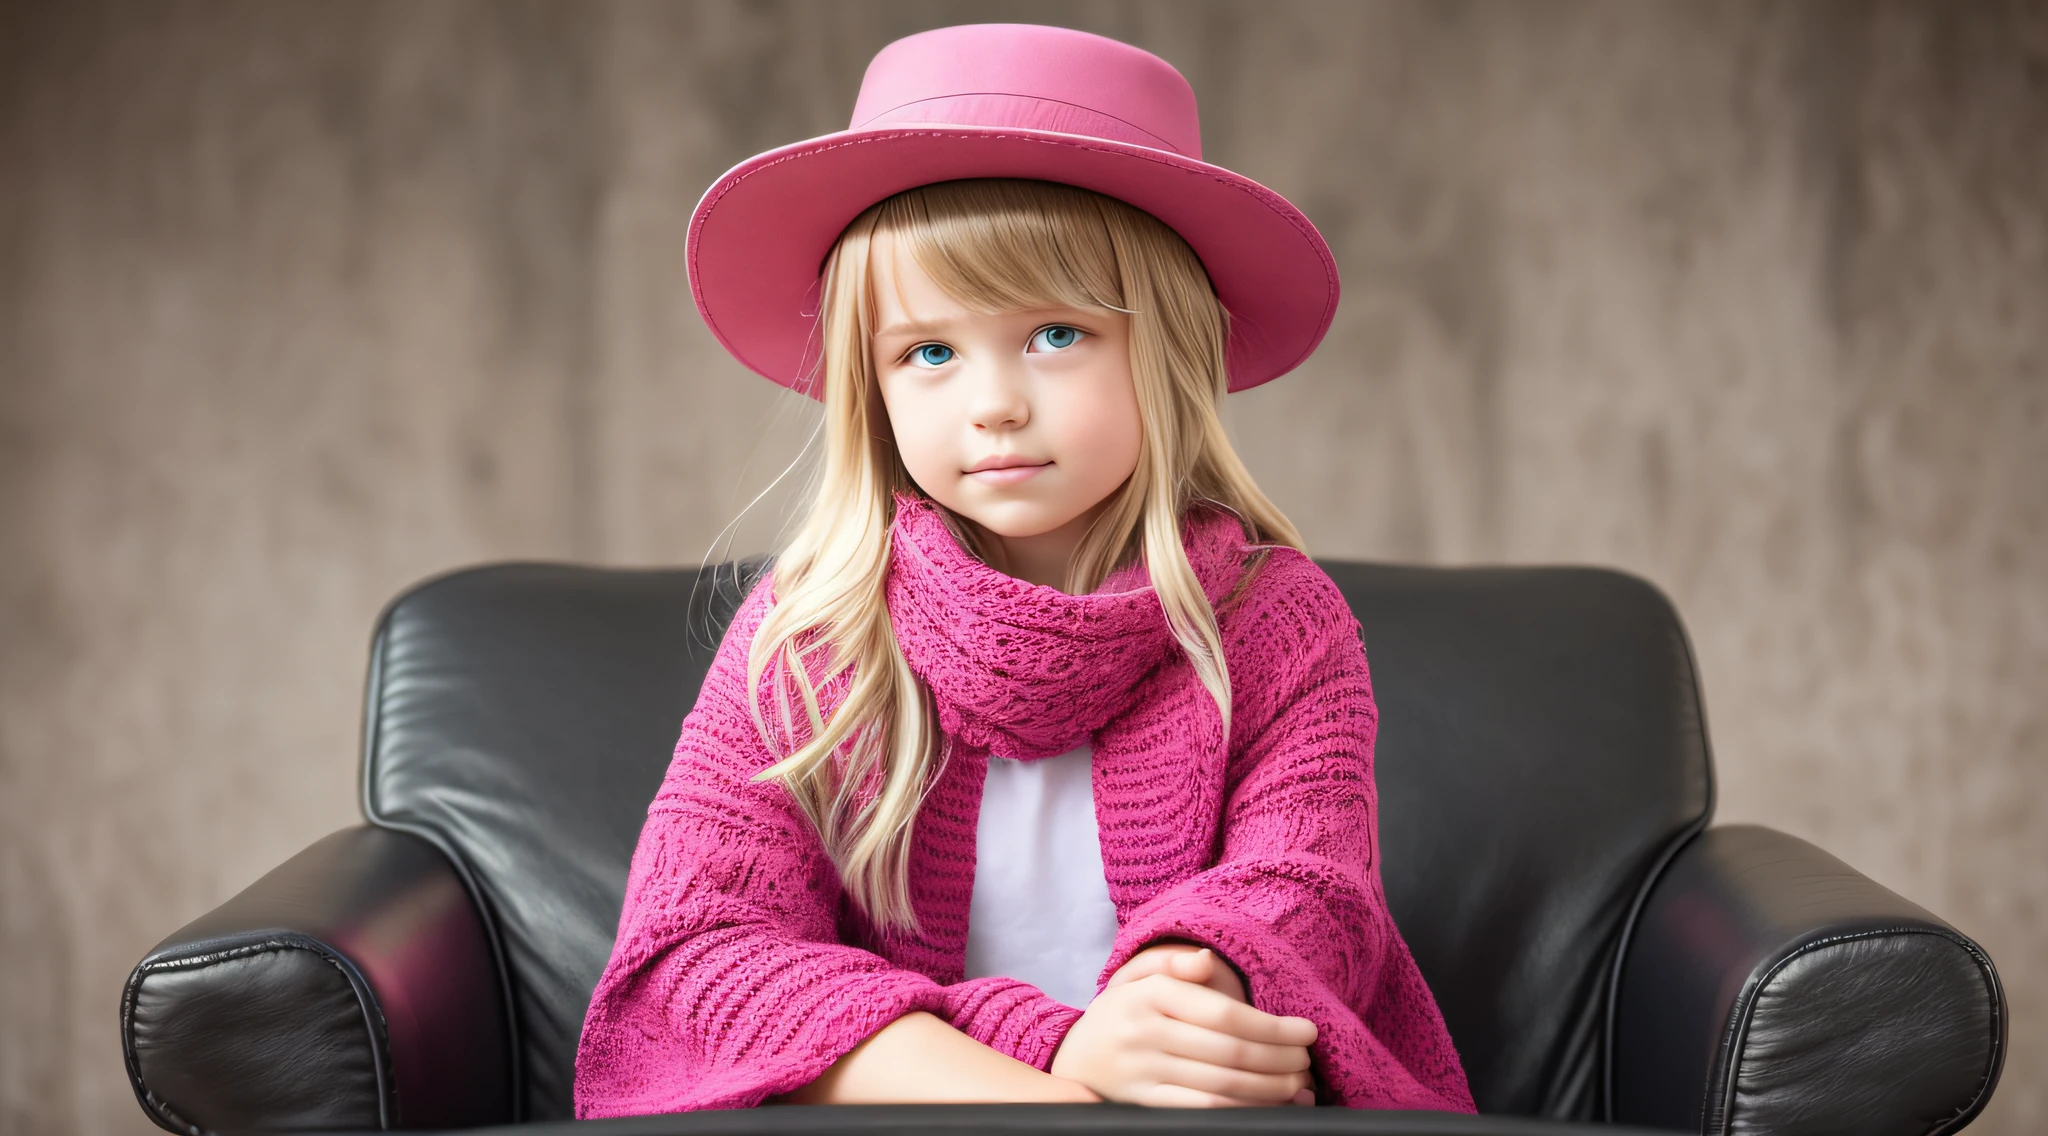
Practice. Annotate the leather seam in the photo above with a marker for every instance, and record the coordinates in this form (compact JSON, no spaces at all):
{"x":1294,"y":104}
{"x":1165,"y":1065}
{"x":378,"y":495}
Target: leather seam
{"x":375,"y":1029}
{"x":372,"y":735}
{"x":1728,"y":1068}
{"x":373,"y":714}
{"x":1660,"y":866}
{"x":158,"y":1110}
{"x":1968,"y":1111}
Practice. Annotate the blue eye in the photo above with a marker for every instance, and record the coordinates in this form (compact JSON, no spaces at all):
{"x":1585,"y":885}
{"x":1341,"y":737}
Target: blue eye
{"x":1058,"y":337}
{"x":932,"y":355}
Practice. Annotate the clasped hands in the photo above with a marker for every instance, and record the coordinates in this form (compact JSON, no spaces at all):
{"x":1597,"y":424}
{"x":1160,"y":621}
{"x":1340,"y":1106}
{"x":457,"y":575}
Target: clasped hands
{"x":1173,"y":1028}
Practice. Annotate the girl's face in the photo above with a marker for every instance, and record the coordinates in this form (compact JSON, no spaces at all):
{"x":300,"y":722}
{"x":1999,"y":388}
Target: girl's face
{"x":1045,"y":392}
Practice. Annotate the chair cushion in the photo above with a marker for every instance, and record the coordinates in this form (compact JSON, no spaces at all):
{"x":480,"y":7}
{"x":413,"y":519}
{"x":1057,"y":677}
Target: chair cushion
{"x":1541,"y":749}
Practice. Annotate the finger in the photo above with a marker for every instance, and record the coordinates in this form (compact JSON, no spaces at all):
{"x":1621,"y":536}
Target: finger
{"x":1142,"y":967}
{"x":1207,"y":1007}
{"x":1258,"y":1088}
{"x":1180,"y":1096}
{"x":1200,"y":1043}
{"x":1155,"y":959}
{"x":1194,"y":966}
{"x":1203,"y":1006}
{"x":1219,"y":977}
{"x":1204,"y":968}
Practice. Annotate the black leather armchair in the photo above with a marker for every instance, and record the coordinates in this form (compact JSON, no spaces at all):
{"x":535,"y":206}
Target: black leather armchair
{"x":1600,"y":955}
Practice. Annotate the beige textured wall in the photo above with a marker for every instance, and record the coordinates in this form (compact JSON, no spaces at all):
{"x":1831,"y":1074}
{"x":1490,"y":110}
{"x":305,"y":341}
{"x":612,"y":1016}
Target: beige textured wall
{"x":301,"y":303}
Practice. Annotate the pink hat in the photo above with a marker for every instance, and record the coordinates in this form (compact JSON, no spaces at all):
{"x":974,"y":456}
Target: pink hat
{"x":1014,"y":101}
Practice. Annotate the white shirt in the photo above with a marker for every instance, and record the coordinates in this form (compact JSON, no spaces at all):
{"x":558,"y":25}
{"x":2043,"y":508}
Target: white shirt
{"x":1041,"y":911}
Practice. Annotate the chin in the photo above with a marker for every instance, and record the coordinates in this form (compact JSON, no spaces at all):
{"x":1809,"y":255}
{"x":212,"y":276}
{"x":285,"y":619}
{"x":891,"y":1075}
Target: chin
{"x":1015,"y":519}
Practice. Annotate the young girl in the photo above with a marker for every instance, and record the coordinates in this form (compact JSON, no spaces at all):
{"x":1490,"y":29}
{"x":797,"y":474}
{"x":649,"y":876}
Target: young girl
{"x":1039,"y":768}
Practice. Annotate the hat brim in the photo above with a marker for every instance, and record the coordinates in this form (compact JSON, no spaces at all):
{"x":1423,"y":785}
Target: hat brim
{"x":759,"y":234}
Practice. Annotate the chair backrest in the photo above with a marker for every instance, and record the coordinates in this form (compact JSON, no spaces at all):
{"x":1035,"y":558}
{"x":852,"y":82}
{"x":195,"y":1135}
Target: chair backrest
{"x":1541,"y":751}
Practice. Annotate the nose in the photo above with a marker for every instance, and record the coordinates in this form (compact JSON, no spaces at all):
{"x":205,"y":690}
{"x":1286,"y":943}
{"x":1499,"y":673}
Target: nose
{"x":999,"y":400}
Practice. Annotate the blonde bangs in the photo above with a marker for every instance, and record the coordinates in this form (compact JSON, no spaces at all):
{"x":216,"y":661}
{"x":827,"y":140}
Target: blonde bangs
{"x":1002,"y":245}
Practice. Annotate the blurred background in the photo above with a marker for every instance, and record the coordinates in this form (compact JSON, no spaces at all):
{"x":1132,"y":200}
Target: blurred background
{"x":301,"y":303}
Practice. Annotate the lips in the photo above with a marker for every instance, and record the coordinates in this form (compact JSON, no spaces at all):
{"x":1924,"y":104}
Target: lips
{"x":1006,"y":470}
{"x":1004,"y":461}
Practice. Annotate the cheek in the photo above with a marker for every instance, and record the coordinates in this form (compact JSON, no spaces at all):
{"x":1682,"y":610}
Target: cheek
{"x":920,"y":429}
{"x":1103,"y":434}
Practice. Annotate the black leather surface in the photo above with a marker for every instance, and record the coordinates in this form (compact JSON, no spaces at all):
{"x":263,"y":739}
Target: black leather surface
{"x":522,"y":715}
{"x":1064,"y":1120}
{"x":352,"y":986}
{"x":1541,"y":747}
{"x":1541,"y":760}
{"x":272,"y":1033}
{"x":1773,"y":989}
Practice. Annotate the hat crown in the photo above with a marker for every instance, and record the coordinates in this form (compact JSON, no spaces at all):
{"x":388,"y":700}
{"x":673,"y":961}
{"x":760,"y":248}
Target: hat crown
{"x":1034,"y":77}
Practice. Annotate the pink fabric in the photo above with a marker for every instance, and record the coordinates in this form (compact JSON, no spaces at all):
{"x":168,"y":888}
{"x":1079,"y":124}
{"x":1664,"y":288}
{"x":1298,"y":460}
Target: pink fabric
{"x":1036,"y":62}
{"x":1021,"y":112}
{"x":1005,"y":101}
{"x":741,"y":970}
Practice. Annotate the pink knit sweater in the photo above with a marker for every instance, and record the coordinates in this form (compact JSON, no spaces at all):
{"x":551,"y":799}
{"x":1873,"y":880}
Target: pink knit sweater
{"x":741,"y":970}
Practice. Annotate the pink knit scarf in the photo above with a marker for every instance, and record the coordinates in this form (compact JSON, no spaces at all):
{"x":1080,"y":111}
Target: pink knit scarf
{"x":1024,"y":670}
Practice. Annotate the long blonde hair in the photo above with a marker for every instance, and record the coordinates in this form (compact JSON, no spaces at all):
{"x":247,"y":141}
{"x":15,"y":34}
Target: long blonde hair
{"x":994,"y":245}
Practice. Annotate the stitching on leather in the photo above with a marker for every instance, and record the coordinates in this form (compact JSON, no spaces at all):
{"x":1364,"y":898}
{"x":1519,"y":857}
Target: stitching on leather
{"x":1969,"y":1110}
{"x":159,"y":1110}
{"x":1662,"y":864}
{"x":1738,"y":1027}
{"x":373,"y":730}
{"x":376,"y":1031}
{"x":1250,"y":189}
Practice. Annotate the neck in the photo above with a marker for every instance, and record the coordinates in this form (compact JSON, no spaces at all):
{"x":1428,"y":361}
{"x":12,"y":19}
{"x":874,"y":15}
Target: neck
{"x":1045,"y":557}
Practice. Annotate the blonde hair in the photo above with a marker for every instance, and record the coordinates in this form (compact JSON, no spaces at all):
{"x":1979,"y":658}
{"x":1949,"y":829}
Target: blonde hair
{"x":994,"y":245}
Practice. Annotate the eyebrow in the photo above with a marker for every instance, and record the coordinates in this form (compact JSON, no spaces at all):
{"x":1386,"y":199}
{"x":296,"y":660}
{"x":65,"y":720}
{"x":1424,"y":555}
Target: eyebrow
{"x":915,"y":327}
{"x":938,"y":327}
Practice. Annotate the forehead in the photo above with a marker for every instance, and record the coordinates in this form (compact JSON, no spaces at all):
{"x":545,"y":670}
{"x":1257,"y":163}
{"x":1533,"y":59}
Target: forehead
{"x":977,"y":279}
{"x":902,"y":290}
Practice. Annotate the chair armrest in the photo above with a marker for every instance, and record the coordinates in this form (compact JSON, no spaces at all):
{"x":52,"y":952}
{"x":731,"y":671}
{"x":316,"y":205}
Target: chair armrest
{"x":1769,"y":987}
{"x":353,"y":987}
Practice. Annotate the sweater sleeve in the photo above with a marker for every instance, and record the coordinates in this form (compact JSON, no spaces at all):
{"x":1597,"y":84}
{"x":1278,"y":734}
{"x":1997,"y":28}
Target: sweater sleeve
{"x":1011,"y":1017}
{"x":728,"y":982}
{"x":1294,"y":900}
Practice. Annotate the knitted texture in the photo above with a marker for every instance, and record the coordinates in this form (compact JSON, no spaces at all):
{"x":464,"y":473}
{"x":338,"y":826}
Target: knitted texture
{"x":742,"y":969}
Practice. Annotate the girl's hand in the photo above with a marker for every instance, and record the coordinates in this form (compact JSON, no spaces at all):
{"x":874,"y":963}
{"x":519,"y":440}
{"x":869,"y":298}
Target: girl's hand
{"x":1167,"y":1040}
{"x":920,"y":1059}
{"x":1214,"y":973}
